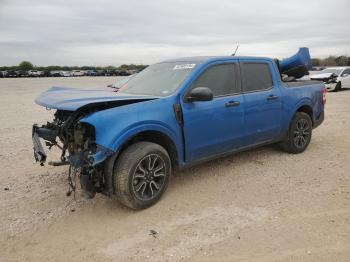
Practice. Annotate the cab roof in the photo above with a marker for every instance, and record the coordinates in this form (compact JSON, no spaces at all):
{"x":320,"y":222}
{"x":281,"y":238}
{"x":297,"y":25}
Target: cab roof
{"x":202,"y":59}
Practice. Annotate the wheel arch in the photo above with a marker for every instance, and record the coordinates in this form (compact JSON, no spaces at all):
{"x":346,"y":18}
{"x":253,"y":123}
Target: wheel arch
{"x":153,"y":136}
{"x":305,"y":106}
{"x":306,"y":109}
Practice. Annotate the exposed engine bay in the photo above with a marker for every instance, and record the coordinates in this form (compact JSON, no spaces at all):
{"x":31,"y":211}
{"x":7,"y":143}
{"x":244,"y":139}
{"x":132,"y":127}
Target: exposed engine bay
{"x":79,"y":150}
{"x":76,"y":139}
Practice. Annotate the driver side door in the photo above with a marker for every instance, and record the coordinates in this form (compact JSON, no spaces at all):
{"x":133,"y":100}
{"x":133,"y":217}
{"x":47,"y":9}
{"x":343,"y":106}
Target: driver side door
{"x":216,"y":126}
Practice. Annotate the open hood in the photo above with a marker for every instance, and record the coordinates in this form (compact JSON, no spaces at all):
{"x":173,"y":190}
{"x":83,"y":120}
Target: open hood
{"x":71,"y":99}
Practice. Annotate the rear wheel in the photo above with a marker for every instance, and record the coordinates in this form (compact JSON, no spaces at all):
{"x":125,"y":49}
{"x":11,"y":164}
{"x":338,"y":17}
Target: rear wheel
{"x":299,"y":134}
{"x":141,"y":175}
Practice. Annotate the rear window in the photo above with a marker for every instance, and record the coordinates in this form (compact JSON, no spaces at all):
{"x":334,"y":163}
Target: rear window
{"x":257,"y":76}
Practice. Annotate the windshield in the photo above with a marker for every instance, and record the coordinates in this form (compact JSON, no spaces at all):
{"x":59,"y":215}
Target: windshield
{"x":331,"y":70}
{"x":159,"y":79}
{"x":120,"y":82}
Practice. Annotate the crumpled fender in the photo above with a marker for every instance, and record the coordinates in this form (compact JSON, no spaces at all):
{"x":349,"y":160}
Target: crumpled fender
{"x":114,"y":126}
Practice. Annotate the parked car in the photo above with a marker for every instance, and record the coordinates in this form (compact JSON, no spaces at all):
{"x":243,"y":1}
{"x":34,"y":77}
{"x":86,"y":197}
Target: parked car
{"x":3,"y":73}
{"x":91,"y":73}
{"x":334,"y":77}
{"x":55,"y":73}
{"x":121,"y":82}
{"x":66,"y":73}
{"x":173,"y":115}
{"x":78,"y":73}
{"x":21,"y":73}
{"x":35,"y":73}
{"x":121,"y":73}
{"x":12,"y":73}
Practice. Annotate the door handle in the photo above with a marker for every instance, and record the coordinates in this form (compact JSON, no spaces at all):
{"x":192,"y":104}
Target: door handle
{"x":232,"y":103}
{"x":272,"y":97}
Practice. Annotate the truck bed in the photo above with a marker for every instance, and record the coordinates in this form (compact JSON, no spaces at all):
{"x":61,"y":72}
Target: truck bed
{"x":299,"y":83}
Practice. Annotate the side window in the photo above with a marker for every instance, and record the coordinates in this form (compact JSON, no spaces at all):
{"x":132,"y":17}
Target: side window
{"x":257,"y":76}
{"x":221,"y":79}
{"x":346,"y":72}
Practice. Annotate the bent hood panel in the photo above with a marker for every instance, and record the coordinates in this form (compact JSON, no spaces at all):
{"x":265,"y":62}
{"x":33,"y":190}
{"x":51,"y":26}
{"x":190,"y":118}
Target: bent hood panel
{"x":321,"y":76}
{"x":65,"y":98}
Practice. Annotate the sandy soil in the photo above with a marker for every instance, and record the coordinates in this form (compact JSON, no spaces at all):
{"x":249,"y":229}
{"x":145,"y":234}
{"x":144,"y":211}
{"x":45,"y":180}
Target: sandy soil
{"x":260,"y":205}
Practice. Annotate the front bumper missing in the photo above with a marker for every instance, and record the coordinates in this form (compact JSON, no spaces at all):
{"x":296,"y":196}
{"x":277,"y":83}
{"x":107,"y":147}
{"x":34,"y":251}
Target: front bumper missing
{"x":83,"y":158}
{"x":89,"y":163}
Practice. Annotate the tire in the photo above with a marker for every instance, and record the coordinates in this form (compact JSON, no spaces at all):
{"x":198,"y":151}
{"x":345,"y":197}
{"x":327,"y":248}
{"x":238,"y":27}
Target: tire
{"x":141,"y":175}
{"x":299,"y":134}
{"x":337,"y":87}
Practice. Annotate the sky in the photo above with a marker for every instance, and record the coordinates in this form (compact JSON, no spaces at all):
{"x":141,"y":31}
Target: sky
{"x":114,"y":32}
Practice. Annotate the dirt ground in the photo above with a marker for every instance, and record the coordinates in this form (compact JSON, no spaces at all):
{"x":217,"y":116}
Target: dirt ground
{"x":260,"y":205}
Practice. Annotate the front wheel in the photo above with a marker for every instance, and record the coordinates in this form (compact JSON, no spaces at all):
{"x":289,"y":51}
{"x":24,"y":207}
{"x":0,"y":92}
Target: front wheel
{"x":299,"y":134}
{"x":337,"y":87}
{"x":141,"y":175}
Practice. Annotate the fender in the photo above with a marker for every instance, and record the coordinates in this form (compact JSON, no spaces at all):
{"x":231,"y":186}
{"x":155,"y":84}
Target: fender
{"x":131,"y":131}
{"x":115,"y":134}
{"x":302,"y":102}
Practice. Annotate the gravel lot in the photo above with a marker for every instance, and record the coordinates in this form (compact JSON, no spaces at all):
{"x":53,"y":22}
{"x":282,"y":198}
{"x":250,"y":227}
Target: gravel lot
{"x":260,"y":205}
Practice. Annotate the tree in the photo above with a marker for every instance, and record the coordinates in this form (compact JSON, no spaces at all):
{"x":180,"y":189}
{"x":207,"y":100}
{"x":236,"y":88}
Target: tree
{"x":342,"y":60}
{"x":25,"y":66}
{"x":316,"y":61}
{"x":329,"y":61}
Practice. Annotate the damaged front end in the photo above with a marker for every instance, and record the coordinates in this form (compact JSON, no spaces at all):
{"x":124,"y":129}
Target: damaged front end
{"x":76,"y":140}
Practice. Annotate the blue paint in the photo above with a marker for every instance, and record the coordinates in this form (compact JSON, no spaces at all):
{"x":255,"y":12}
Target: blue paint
{"x":71,"y":99}
{"x":209,"y":128}
{"x":302,"y":57}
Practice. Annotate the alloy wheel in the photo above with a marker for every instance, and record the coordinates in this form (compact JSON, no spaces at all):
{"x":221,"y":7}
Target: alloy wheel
{"x":149,"y":177}
{"x":301,"y":133}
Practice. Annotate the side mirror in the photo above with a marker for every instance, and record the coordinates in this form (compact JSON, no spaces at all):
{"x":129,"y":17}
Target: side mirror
{"x":199,"y":94}
{"x":345,"y":75}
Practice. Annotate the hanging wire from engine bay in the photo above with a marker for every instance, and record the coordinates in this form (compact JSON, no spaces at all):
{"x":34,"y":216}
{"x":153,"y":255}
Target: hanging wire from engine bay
{"x":72,"y":180}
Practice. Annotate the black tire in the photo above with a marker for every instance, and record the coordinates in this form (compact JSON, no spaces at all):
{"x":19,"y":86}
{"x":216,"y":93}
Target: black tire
{"x":337,"y":87}
{"x":299,"y":134}
{"x":141,"y":175}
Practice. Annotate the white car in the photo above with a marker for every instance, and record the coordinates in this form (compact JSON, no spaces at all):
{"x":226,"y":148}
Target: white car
{"x":65,"y":73}
{"x":334,"y":77}
{"x":35,"y":73}
{"x":78,"y":73}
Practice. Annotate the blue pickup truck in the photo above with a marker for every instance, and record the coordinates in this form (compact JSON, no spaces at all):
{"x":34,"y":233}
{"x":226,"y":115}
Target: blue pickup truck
{"x":175,"y":114}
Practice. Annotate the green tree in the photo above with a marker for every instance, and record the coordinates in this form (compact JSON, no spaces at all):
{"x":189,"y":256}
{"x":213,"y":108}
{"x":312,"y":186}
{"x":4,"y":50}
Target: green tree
{"x":329,"y":61}
{"x":342,"y":60}
{"x":25,"y":66}
{"x":316,"y":61}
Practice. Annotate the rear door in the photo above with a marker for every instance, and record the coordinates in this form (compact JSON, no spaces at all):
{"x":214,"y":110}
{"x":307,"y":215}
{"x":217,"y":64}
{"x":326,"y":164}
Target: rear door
{"x":216,"y":126}
{"x":263,"y":103}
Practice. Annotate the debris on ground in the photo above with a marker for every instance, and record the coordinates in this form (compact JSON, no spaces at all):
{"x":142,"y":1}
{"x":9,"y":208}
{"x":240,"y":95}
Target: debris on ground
{"x":153,"y":233}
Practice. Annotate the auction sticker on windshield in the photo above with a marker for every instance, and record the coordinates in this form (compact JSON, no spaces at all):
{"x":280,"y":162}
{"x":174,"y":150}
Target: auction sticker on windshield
{"x":184,"y":66}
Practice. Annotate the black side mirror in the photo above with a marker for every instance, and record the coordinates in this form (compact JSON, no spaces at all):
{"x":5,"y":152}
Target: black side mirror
{"x":199,"y":94}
